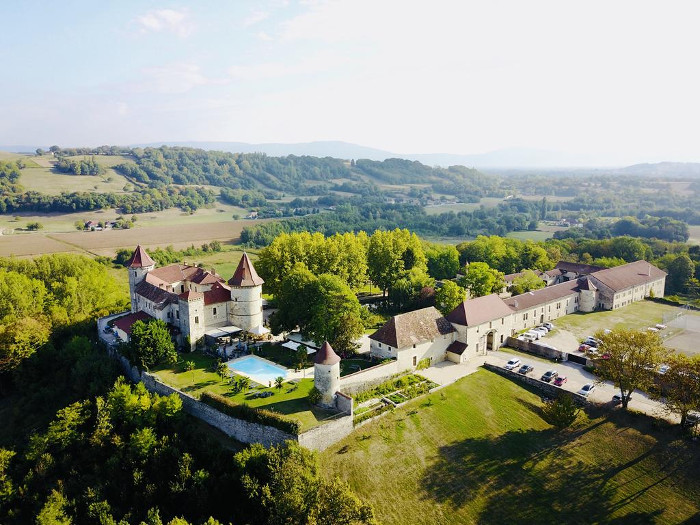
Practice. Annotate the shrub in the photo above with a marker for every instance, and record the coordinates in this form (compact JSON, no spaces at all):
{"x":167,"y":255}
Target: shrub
{"x":423,"y":364}
{"x":253,"y":415}
{"x":561,"y":412}
{"x":314,"y":396}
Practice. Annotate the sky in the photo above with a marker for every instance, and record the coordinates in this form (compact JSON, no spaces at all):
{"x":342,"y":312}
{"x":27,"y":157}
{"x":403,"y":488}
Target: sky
{"x":611,"y":77}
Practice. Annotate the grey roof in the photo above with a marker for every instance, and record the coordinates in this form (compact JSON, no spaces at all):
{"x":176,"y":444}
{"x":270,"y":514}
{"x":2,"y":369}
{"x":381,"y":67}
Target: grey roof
{"x":479,"y":310}
{"x":157,"y":295}
{"x":419,"y":326}
{"x":580,"y":268}
{"x":457,"y":347}
{"x":628,"y":275}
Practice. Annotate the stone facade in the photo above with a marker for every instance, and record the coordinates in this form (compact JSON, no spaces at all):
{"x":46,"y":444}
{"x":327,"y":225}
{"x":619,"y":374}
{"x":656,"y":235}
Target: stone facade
{"x":193,"y":300}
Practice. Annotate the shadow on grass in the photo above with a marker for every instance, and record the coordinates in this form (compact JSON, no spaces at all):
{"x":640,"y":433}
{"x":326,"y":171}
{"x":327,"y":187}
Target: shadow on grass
{"x":530,"y":477}
{"x":199,"y":385}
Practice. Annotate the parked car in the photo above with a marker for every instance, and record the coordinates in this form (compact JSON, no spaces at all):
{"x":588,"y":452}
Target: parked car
{"x":540,"y":330}
{"x":525,"y":369}
{"x":584,"y":347}
{"x":558,"y":381}
{"x":528,"y":337}
{"x":542,"y":327}
{"x":617,"y":399}
{"x":661,"y":326}
{"x":533,"y":334}
{"x":587,"y":389}
{"x":549,"y":375}
{"x":548,"y":326}
{"x":512,"y":363}
{"x":591,"y":341}
{"x":663,"y":369}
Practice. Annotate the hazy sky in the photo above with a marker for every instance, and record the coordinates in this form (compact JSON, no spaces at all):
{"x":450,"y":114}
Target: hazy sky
{"x":463,"y":77}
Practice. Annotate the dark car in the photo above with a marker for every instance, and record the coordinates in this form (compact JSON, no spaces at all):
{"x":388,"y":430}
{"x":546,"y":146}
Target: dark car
{"x":525,"y":369}
{"x":549,"y":375}
{"x":559,"y":380}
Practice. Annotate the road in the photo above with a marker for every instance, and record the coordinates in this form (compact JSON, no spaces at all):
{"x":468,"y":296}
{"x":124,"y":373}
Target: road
{"x":576,"y":378}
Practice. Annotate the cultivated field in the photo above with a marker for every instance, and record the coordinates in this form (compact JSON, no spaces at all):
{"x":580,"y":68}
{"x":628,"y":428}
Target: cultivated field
{"x":109,"y":241}
{"x":479,"y":451}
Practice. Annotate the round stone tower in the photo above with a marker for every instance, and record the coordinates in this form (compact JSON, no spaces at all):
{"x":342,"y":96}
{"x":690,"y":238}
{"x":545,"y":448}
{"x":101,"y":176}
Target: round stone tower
{"x":245,"y":308}
{"x":327,"y":374}
{"x":139,"y":265}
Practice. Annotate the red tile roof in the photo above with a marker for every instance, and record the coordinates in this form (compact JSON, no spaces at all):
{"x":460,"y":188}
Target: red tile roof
{"x":245,"y":274}
{"x":326,"y":355}
{"x":479,"y":310}
{"x":140,"y":258}
{"x":217,"y":294}
{"x":419,"y":326}
{"x":125,"y":322}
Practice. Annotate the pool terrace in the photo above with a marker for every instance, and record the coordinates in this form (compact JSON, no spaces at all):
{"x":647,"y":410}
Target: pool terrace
{"x":290,"y":400}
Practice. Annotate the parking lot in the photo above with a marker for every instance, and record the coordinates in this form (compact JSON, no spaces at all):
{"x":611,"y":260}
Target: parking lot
{"x":576,"y":378}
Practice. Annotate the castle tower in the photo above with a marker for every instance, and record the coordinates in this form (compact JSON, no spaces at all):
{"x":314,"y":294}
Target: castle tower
{"x":327,"y":374}
{"x":191,"y":306}
{"x":139,"y":265}
{"x":587,"y":295}
{"x":245,"y":308}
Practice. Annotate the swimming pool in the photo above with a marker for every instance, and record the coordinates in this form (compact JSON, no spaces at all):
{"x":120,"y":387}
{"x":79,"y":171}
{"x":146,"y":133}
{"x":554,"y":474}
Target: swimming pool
{"x":258,"y":369}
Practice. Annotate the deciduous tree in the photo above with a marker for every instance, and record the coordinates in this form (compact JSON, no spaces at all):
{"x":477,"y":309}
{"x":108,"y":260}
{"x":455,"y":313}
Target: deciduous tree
{"x":449,"y":297}
{"x":479,"y":279}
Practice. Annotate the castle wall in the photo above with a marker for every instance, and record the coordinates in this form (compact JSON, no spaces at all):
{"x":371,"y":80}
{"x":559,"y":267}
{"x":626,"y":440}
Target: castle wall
{"x":327,"y":381}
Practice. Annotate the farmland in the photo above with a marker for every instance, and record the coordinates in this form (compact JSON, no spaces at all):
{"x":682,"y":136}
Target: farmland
{"x":480,"y":452}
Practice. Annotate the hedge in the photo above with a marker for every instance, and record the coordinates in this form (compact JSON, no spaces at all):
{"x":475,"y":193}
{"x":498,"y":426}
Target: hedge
{"x":253,"y":415}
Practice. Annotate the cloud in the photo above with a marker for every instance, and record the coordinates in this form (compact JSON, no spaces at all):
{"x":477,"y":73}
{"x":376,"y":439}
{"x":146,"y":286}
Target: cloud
{"x":262,"y":35}
{"x":174,"y":78}
{"x":318,"y":63}
{"x":255,"y":17}
{"x":177,"y":22}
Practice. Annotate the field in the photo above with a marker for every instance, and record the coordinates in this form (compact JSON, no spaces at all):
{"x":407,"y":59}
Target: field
{"x":639,"y":315}
{"x":542,"y":233}
{"x":488,"y":202}
{"x":107,"y":242}
{"x":480,"y":452}
{"x":289,"y":400}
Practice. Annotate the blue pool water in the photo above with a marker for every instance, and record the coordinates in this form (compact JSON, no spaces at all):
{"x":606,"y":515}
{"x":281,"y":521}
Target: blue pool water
{"x":258,"y":369}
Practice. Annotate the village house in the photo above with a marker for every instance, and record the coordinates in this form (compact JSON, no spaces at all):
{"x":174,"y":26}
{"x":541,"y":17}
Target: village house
{"x":191,"y":300}
{"x":484,"y":323}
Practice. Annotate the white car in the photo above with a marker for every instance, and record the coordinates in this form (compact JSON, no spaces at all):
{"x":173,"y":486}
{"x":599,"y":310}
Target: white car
{"x":512,"y":363}
{"x":533,"y":334}
{"x":587,"y":389}
{"x":548,"y":326}
{"x":541,"y":329}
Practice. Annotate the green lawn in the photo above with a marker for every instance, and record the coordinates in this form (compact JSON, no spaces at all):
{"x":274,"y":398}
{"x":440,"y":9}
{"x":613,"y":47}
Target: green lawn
{"x":478,"y":451}
{"x":290,"y":400}
{"x":637,"y":315}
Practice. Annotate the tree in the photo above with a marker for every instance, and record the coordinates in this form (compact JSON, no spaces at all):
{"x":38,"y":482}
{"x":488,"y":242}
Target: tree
{"x":628,"y":358}
{"x":449,"y":297}
{"x":680,"y":271}
{"x":34,"y":226}
{"x":244,"y":383}
{"x":390,"y":254}
{"x":561,"y":412}
{"x":223,"y":371}
{"x":481,"y":280}
{"x":443,"y":261}
{"x":526,"y":282}
{"x":680,"y":386}
{"x":278,"y":382}
{"x":150,"y":344}
{"x":20,"y":339}
{"x":302,"y":357}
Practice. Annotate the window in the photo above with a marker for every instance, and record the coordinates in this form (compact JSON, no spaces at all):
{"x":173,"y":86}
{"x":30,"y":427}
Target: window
{"x":215,"y":310}
{"x":414,"y":347}
{"x":415,"y":358}
{"x":501,"y":338}
{"x":490,"y":324}
{"x":182,"y":288}
{"x":380,"y":345}
{"x":177,"y":314}
{"x":196,"y":319}
{"x":503,"y":320}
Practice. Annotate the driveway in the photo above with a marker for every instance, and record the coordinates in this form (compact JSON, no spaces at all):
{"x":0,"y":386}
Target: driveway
{"x":446,"y":372}
{"x":576,"y":378}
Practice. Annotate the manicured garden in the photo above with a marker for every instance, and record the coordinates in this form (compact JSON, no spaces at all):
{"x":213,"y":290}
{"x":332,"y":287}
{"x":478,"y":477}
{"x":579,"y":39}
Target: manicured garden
{"x":479,"y":451}
{"x":290,"y":400}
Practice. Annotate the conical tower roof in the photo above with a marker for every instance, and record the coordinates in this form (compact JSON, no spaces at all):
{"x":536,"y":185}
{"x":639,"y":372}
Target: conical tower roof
{"x":326,"y":355}
{"x":140,"y":258}
{"x":245,"y":274}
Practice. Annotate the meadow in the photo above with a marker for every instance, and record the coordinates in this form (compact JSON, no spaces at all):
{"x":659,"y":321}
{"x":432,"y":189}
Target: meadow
{"x":479,"y":451}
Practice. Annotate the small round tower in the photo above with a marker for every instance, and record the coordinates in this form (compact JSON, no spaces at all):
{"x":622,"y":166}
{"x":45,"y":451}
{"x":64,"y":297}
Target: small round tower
{"x":245,"y":308}
{"x":139,"y":265}
{"x":327,"y":374}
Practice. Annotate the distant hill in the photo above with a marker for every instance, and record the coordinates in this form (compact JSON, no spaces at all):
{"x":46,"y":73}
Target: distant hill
{"x":662,"y":169}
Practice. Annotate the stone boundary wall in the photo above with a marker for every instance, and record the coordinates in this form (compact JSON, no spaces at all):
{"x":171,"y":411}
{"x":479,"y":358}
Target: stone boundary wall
{"x":535,"y":348}
{"x":546,"y":388}
{"x":318,"y":438}
{"x":368,"y":378}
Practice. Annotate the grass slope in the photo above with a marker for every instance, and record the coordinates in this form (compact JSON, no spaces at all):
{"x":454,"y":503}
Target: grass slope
{"x":479,"y":452}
